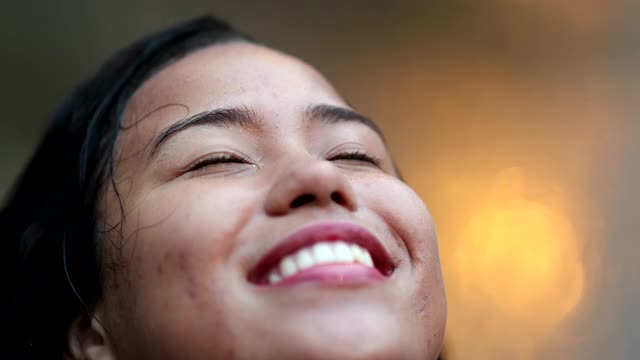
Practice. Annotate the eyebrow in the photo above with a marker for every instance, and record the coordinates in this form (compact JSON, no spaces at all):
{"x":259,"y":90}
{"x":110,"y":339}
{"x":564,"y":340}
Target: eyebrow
{"x":334,"y":114}
{"x":246,"y":118}
{"x":241,"y":117}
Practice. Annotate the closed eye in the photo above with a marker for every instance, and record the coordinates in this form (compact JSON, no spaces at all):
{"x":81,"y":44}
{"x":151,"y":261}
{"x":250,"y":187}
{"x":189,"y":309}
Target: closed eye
{"x":217,"y":159}
{"x":356,"y":155}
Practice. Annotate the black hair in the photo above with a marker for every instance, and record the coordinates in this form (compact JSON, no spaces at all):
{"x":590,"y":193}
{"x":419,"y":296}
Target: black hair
{"x":50,"y":237}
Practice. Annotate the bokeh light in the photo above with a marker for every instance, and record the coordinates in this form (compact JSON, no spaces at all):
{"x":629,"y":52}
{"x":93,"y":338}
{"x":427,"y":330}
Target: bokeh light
{"x":521,"y":252}
{"x":518,"y":256}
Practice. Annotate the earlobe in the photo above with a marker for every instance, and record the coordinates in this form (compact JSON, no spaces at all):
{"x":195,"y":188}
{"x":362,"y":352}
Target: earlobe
{"x":88,"y":339}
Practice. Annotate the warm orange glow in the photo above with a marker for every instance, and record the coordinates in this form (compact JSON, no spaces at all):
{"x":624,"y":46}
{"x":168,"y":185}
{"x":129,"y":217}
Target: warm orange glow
{"x":517,"y":260}
{"x":521,"y":253}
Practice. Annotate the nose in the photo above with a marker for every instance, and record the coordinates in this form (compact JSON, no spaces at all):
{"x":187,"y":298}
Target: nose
{"x":316,"y":183}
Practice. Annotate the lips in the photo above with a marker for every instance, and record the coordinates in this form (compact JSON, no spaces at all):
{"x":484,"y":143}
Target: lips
{"x":342,"y":252}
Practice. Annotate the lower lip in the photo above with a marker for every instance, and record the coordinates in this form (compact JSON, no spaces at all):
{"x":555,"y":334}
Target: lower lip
{"x":333,"y":274}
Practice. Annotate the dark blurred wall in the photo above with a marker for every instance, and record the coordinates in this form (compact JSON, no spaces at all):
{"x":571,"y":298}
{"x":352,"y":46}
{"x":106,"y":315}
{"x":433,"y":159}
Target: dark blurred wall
{"x":502,"y":109}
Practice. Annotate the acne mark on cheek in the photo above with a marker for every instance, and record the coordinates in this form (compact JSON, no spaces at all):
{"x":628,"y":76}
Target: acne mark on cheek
{"x":182,"y":262}
{"x":193,"y":294}
{"x":183,"y":266}
{"x":159,"y":269}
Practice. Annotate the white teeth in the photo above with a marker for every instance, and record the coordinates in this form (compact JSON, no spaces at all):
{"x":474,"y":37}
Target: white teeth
{"x":343,"y":252}
{"x":358,"y":253}
{"x":366,"y":258}
{"x":304,"y":259}
{"x":287,"y":266}
{"x":274,"y":277}
{"x":356,"y":250}
{"x":323,"y":253}
{"x":362,"y":256}
{"x":319,"y":253}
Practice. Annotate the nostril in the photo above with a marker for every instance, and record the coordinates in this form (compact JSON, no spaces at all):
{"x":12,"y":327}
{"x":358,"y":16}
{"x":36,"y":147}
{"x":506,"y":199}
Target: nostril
{"x":302,"y":200}
{"x":338,"y":198}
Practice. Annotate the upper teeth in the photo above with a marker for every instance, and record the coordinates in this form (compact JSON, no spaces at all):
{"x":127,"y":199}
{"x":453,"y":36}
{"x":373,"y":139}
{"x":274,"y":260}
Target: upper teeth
{"x":319,"y":253}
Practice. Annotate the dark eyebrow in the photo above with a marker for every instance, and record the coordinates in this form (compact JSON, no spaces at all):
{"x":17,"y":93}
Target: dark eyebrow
{"x":334,"y":114}
{"x":237,"y":117}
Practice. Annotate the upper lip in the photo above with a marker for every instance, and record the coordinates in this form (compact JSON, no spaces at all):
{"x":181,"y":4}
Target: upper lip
{"x":328,"y":231}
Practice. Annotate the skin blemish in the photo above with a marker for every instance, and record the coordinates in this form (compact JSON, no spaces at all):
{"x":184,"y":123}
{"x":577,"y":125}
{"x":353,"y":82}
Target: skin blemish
{"x":183,"y":266}
{"x":192,"y":292}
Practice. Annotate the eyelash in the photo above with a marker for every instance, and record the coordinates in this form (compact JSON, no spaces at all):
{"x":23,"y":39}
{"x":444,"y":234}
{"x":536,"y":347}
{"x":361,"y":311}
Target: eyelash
{"x":358,"y":155}
{"x":219,"y":159}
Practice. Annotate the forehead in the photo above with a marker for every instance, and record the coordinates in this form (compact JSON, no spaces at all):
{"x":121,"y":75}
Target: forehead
{"x":233,"y":74}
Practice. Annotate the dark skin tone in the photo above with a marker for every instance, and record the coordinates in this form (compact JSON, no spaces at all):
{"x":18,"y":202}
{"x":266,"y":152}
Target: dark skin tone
{"x":207,"y":193}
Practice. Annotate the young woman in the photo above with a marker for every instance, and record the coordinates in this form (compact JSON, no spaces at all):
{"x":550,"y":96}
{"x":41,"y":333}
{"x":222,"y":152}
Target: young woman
{"x":207,"y":197}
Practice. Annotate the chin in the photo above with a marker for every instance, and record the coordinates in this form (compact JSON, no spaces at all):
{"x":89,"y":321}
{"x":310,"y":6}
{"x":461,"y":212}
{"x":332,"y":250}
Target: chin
{"x":350,"y":334}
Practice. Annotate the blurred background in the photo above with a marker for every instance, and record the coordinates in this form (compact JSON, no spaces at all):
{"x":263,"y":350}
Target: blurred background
{"x":515,"y":120}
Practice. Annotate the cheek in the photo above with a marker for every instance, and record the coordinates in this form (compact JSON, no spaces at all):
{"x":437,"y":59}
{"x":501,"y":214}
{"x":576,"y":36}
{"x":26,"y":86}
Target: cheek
{"x":183,"y":219}
{"x":406,"y":214}
{"x":172,"y":252}
{"x":408,"y":217}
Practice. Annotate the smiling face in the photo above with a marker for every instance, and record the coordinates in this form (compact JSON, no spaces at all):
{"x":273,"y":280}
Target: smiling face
{"x":231,"y":162}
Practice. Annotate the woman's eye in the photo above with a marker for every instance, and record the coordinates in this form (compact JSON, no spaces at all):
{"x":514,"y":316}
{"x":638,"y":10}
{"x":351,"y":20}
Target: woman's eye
{"x":218,"y":159}
{"x":357,"y":155}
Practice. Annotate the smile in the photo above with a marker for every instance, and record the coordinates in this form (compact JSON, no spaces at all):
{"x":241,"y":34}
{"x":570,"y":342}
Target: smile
{"x":338,"y":253}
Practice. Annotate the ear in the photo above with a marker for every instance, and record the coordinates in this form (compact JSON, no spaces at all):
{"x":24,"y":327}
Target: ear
{"x":88,"y":339}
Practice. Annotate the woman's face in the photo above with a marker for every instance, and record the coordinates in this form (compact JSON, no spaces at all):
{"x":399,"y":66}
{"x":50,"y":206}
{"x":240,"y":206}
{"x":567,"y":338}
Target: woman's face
{"x":249,"y":198}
